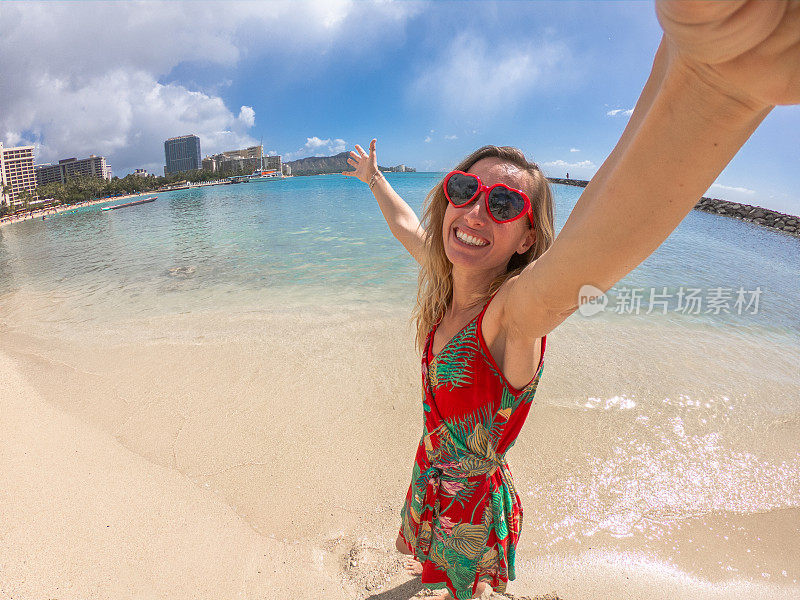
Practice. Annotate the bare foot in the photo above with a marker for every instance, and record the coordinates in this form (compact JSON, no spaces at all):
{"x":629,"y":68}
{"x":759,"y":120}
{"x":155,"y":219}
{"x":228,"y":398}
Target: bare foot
{"x":412,"y":566}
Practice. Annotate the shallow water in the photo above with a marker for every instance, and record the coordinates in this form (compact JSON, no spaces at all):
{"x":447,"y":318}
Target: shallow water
{"x":217,"y":329}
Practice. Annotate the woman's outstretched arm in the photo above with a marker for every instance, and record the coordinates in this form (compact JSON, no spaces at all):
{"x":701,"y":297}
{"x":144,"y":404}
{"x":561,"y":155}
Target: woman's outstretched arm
{"x":693,"y":116}
{"x":402,"y":221}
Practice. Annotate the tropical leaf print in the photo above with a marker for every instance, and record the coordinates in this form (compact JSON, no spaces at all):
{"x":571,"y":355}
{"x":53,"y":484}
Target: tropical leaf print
{"x":424,"y":537}
{"x":461,"y":490}
{"x":528,"y":393}
{"x":438,"y":555}
{"x":490,"y":561}
{"x":467,"y":539}
{"x":452,"y":366}
{"x":433,"y":378}
{"x":477,"y":434}
{"x":500,"y":526}
{"x":507,"y":401}
{"x":461,"y":573}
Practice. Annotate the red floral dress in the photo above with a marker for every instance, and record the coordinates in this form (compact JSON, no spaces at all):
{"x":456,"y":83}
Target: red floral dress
{"x":462,"y":515}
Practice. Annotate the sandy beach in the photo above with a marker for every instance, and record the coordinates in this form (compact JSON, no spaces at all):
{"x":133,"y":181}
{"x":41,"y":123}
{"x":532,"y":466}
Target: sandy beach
{"x":267,"y":454}
{"x":46,"y":212}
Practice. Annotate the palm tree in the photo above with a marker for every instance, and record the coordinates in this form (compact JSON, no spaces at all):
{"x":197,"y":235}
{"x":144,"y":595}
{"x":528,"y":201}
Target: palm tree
{"x":25,"y":197}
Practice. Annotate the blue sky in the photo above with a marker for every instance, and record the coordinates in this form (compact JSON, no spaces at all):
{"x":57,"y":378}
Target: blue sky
{"x":432,"y":81}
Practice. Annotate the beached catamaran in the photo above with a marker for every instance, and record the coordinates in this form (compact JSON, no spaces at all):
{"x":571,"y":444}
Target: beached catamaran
{"x":264,"y":174}
{"x":145,"y":201}
{"x":261,"y":173}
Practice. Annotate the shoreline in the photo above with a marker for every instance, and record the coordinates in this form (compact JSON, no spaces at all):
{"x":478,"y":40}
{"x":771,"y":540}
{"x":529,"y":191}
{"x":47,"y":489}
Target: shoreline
{"x":758,"y":215}
{"x":44,"y":212}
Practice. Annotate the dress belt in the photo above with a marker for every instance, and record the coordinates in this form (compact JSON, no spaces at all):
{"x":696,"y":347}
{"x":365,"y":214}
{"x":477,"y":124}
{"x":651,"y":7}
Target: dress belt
{"x":431,"y":502}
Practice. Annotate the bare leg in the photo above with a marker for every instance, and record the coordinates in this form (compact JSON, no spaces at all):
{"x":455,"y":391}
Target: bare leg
{"x":410,"y":564}
{"x":401,"y":545}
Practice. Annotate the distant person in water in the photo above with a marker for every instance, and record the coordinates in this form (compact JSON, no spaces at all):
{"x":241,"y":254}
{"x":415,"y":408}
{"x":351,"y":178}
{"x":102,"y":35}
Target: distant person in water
{"x":494,"y":281}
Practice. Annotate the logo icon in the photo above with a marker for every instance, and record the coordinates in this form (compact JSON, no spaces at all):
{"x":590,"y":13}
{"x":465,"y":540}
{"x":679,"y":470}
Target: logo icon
{"x":591,"y":300}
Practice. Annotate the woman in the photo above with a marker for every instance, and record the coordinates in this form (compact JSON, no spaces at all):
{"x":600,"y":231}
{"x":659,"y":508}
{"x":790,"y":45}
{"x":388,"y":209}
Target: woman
{"x":494,"y":283}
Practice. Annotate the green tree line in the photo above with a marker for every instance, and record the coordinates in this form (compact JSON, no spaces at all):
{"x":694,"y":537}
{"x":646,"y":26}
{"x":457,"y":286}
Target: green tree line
{"x":81,"y":188}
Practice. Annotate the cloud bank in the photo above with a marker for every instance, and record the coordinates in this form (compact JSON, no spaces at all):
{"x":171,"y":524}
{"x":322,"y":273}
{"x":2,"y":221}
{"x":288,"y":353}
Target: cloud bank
{"x":728,"y":188}
{"x":477,"y":80}
{"x":81,"y":78}
{"x":316,"y":146}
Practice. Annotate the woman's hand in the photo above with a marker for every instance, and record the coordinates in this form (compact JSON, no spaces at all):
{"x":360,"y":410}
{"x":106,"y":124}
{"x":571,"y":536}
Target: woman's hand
{"x":400,"y":217}
{"x":747,"y":49}
{"x":366,"y":164}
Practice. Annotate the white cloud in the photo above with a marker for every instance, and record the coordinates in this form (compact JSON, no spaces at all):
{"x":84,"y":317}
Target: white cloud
{"x":428,"y":139}
{"x":451,"y":137}
{"x":584,"y":164}
{"x":728,"y":188}
{"x":247,"y":116}
{"x":574,"y":150}
{"x":316,"y":146}
{"x":131,"y":129}
{"x":313,"y":143}
{"x":429,"y":165}
{"x":80,"y":78}
{"x":472,"y":78}
{"x":620,"y":111}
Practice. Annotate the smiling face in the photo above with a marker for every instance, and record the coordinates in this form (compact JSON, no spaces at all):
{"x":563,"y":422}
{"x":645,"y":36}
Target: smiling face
{"x":472,"y":239}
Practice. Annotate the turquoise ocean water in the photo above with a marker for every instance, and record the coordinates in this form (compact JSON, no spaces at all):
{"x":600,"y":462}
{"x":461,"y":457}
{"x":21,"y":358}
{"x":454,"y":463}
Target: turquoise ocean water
{"x":323,"y":240}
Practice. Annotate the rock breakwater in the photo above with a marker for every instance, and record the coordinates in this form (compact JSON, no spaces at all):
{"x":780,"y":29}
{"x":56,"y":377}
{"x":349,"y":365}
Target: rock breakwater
{"x":765,"y":217}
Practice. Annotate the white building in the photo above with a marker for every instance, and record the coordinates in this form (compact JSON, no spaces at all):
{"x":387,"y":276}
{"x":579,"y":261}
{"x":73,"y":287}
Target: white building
{"x":93,"y":166}
{"x":16,"y":173}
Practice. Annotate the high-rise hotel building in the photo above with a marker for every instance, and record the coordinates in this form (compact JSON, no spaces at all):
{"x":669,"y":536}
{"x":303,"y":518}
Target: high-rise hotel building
{"x":94,"y":166}
{"x":182,"y":154}
{"x":245,"y":161}
{"x":16,"y":173}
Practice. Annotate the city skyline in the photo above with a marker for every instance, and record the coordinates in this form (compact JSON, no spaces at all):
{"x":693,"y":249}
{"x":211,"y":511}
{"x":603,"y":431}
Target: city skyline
{"x":430,"y":80}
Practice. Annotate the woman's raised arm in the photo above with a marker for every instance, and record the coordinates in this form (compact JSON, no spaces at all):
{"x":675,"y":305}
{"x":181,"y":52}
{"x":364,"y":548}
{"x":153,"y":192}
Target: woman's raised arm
{"x":402,"y":221}
{"x":691,"y":119}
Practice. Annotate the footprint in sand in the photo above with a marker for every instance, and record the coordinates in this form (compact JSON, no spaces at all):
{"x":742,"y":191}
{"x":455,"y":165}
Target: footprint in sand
{"x":367,"y":566}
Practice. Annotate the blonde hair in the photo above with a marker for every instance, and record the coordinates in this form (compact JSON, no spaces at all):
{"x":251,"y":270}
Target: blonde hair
{"x":435,"y":290}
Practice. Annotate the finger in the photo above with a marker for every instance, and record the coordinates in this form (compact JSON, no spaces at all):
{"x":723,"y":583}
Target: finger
{"x":354,"y":155}
{"x":360,"y":150}
{"x":372,"y":146}
{"x":350,"y":161}
{"x":348,"y":173}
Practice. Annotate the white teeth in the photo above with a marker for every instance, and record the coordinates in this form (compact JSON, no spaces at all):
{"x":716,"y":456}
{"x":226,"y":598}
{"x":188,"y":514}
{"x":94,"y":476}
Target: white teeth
{"x":468,"y":239}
